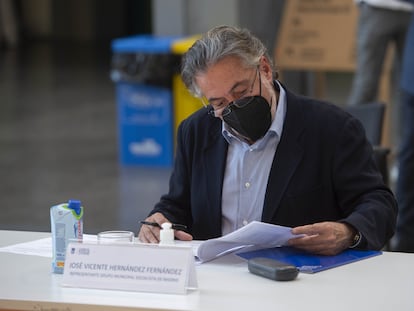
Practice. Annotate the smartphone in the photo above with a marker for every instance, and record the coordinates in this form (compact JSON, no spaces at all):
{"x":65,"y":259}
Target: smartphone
{"x":272,"y":269}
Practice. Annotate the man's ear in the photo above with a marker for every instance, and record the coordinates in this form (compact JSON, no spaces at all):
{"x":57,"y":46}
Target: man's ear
{"x":266,"y":68}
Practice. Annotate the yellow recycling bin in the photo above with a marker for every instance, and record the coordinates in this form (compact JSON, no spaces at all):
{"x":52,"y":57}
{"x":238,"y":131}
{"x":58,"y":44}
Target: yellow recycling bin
{"x":184,"y":103}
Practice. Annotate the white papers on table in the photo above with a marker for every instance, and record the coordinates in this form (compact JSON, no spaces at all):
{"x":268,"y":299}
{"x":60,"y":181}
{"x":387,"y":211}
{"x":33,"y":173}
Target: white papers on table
{"x":255,"y":235}
{"x":41,"y":247}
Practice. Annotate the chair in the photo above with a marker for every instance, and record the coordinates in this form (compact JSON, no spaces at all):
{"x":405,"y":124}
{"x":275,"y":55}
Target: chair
{"x":371,"y":116}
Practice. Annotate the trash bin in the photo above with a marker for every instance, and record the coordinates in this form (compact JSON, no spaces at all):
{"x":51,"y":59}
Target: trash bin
{"x":184,"y":103}
{"x":142,"y":68}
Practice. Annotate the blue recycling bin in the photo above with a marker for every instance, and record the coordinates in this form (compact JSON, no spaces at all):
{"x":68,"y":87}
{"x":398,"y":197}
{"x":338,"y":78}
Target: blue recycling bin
{"x":142,"y":68}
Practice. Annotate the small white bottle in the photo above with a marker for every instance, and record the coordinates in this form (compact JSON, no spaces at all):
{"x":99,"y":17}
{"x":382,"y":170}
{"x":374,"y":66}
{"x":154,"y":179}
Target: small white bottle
{"x":166,"y":234}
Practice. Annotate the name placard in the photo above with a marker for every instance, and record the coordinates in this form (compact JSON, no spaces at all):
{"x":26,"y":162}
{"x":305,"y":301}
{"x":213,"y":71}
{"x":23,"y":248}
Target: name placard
{"x":132,"y":267}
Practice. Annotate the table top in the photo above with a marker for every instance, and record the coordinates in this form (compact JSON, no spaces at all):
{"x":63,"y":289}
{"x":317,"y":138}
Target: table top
{"x":383,"y":282}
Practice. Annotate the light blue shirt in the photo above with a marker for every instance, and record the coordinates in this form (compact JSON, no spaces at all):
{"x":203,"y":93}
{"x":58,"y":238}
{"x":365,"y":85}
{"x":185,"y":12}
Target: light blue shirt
{"x":247,"y":172}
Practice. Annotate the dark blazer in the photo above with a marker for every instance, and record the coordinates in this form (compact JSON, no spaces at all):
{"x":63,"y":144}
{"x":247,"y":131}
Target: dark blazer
{"x":323,"y":170}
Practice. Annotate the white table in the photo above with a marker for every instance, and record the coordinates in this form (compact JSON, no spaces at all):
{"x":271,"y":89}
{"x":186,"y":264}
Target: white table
{"x":384,"y":282}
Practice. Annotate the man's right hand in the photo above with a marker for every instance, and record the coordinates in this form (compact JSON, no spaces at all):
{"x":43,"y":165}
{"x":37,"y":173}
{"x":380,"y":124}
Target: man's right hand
{"x":151,"y":234}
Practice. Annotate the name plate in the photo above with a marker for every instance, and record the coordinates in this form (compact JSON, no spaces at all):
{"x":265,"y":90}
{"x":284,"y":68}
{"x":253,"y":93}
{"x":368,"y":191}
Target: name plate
{"x":131,"y":267}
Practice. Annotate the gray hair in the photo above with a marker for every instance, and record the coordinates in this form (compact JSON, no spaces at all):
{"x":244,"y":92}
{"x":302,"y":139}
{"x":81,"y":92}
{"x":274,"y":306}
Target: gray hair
{"x":216,"y":44}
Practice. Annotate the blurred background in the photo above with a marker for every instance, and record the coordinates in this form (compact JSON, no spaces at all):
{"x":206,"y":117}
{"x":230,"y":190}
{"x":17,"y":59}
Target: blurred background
{"x":60,"y":110}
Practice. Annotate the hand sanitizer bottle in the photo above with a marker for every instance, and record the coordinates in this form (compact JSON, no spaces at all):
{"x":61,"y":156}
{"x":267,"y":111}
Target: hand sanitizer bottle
{"x":67,"y":225}
{"x":166,"y":234}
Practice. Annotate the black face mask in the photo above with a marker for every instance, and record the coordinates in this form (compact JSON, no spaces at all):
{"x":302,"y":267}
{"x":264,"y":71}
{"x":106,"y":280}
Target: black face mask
{"x":250,"y":116}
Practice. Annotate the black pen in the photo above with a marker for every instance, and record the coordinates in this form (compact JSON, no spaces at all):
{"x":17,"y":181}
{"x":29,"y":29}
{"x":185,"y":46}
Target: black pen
{"x":155,"y":224}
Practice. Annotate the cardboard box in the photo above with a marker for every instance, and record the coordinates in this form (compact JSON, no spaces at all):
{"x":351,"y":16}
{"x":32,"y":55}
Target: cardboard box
{"x":320,"y":36}
{"x":317,"y":35}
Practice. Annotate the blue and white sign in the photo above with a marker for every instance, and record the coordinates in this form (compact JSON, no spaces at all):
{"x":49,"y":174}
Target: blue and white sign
{"x":145,"y":124}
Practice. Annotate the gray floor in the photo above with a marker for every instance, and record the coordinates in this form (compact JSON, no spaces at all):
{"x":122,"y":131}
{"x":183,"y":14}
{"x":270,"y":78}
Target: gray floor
{"x":58,"y":140}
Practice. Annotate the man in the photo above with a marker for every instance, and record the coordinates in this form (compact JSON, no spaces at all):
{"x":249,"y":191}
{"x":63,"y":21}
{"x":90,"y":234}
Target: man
{"x":259,"y":152}
{"x":404,"y":236}
{"x":373,"y":39}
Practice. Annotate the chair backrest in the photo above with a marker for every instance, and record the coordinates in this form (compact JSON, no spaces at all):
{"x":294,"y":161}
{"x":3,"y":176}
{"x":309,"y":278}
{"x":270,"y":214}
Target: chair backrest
{"x":371,"y":116}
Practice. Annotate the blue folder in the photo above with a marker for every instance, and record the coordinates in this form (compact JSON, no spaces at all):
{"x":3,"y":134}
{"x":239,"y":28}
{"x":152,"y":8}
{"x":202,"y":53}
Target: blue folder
{"x":309,"y":263}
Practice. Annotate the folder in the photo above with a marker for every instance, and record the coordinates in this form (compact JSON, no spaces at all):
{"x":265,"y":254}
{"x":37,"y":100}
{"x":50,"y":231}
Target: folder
{"x":307,"y":262}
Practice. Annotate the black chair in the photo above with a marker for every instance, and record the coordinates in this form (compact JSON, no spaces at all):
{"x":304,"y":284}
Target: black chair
{"x":371,"y":116}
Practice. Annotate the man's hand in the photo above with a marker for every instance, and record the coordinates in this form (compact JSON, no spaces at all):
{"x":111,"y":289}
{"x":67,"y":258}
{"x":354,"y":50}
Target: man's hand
{"x":151,"y":234}
{"x":324,"y":238}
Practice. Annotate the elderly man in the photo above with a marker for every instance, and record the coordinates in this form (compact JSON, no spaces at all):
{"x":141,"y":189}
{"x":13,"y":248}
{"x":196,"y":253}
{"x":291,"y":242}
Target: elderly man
{"x":259,"y":152}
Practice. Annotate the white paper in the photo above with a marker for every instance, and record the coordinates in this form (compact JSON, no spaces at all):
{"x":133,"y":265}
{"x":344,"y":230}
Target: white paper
{"x":255,"y":235}
{"x":41,"y":247}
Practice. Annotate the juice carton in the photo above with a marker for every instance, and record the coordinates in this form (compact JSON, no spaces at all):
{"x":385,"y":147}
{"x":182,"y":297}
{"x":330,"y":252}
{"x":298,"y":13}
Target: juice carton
{"x":67,"y":225}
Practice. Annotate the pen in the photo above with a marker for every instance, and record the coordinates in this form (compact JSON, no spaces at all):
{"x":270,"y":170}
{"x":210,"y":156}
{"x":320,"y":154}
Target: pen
{"x":173,"y":226}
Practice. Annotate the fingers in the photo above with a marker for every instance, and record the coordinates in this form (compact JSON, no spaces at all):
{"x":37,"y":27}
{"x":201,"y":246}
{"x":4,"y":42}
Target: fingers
{"x":310,"y":230}
{"x":151,"y":234}
{"x":325,"y":238}
{"x":183,"y":236}
{"x":312,"y":245}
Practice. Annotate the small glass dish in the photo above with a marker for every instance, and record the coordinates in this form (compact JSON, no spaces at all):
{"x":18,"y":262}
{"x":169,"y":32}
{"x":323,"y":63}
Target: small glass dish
{"x":115,"y":237}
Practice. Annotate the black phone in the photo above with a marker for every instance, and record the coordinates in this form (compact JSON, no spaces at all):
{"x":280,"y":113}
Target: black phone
{"x":272,"y":269}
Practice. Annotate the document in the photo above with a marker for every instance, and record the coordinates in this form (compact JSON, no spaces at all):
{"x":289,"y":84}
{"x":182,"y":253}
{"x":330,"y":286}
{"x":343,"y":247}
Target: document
{"x":307,"y":262}
{"x":41,"y":247}
{"x":255,"y":235}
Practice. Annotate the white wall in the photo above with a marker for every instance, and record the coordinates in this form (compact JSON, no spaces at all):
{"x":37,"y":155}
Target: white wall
{"x":187,"y":17}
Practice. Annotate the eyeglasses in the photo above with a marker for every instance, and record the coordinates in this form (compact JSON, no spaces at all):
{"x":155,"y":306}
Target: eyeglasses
{"x":237,"y":102}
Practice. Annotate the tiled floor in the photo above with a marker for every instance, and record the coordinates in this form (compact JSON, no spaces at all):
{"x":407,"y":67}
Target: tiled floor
{"x":58,"y":140}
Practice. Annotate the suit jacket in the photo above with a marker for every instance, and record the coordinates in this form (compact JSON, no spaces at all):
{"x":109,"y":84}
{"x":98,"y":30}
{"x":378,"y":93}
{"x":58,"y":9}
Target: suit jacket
{"x":323,"y":170}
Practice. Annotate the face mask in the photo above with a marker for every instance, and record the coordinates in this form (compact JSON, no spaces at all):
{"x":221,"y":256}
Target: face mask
{"x":250,"y":116}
